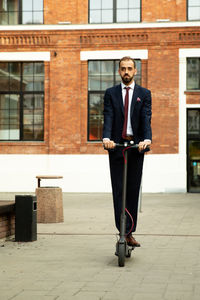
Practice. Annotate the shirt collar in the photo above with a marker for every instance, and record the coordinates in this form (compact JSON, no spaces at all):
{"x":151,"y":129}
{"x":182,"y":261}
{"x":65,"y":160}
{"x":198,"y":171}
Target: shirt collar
{"x":132,"y":85}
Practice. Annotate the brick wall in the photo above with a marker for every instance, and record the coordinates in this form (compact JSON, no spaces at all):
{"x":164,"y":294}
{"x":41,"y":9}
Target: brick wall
{"x":66,"y":86}
{"x":193,"y":97}
{"x":174,"y":10}
{"x":76,"y":11}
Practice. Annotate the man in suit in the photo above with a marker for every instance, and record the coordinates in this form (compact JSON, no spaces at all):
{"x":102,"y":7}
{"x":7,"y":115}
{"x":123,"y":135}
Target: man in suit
{"x":127,"y":116}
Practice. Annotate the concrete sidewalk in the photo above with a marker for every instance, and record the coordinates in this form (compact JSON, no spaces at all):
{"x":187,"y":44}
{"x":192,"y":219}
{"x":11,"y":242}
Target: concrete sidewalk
{"x":75,"y":259}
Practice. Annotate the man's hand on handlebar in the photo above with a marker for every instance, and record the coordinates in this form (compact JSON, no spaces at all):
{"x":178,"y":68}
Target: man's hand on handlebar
{"x":143,"y":145}
{"x":108,"y":144}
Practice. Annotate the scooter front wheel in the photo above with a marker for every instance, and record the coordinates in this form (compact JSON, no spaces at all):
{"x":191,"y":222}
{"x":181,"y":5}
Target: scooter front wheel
{"x":121,"y":254}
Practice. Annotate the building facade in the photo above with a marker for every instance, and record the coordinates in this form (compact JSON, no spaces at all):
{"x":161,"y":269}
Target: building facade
{"x":56,"y":60}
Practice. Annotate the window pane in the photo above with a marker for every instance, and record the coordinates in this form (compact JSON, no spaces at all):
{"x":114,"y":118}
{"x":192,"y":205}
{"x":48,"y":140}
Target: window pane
{"x":4,"y":83}
{"x":122,"y":15}
{"x":194,"y":122}
{"x":194,"y":13}
{"x":3,"y":18}
{"x":94,"y":75}
{"x":38,"y":68}
{"x":192,"y":81}
{"x":37,"y":17}
{"x":14,"y":117}
{"x":94,"y":83}
{"x":28,"y":133}
{"x":28,"y":68}
{"x":107,"y":16}
{"x":107,"y":4}
{"x":95,"y":4}
{"x":27,"y":5}
{"x":4,"y":131}
{"x":37,"y":4}
{"x":4,"y":68}
{"x":193,"y":3}
{"x":193,"y":73}
{"x":28,"y":102}
{"x":14,"y":132}
{"x":27,"y":18}
{"x":14,"y":83}
{"x":38,"y":83}
{"x":39,"y":102}
{"x":95,"y":116}
{"x":38,"y":133}
{"x":9,"y":117}
{"x":95,"y":16}
{"x":14,"y":102}
{"x":134,"y":3}
{"x":13,"y":18}
{"x":28,"y":117}
{"x":28,"y":83}
{"x":12,"y":5}
{"x":4,"y":102}
{"x":117,"y":77}
{"x":134,"y":15}
{"x":14,"y":69}
{"x":122,"y":3}
{"x":4,"y":120}
{"x":3,"y":5}
{"x":38,"y":118}
{"x":107,"y":74}
{"x":15,"y":78}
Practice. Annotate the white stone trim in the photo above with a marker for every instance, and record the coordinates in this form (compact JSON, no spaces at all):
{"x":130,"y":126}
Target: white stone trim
{"x":189,"y":52}
{"x":183,"y":54}
{"x":25,"y":56}
{"x":193,"y":105}
{"x":87,"y":173}
{"x":182,"y":105}
{"x":113,"y":54}
{"x":100,"y":26}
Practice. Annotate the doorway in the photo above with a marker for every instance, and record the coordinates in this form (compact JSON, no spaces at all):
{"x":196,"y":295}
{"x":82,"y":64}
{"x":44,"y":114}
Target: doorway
{"x":193,"y":150}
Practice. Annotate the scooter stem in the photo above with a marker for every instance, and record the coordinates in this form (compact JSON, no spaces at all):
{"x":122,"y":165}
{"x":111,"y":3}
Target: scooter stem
{"x":123,"y":215}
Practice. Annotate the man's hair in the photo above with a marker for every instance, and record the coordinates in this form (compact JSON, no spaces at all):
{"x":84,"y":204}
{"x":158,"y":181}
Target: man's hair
{"x":127,"y":58}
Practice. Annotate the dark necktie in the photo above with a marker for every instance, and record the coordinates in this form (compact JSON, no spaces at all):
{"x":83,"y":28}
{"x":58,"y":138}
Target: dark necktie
{"x":124,"y":134}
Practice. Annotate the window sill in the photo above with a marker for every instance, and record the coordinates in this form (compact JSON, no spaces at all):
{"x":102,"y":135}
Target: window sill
{"x":192,"y":92}
{"x":23,"y":143}
{"x":94,"y":142}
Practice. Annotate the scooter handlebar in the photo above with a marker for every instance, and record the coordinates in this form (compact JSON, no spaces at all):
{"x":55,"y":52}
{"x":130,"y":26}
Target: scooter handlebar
{"x":130,"y":145}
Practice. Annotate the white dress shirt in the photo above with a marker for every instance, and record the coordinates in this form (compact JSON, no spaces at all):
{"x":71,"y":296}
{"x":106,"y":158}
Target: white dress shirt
{"x":130,"y":95}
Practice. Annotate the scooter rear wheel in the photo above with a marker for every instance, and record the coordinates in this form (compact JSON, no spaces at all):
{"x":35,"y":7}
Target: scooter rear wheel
{"x":121,"y":255}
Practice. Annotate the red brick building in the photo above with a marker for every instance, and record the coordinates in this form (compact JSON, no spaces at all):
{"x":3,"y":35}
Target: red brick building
{"x":56,"y":60}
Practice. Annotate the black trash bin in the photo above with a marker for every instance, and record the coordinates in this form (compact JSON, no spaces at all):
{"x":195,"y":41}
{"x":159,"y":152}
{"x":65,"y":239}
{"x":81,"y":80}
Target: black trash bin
{"x":25,"y":218}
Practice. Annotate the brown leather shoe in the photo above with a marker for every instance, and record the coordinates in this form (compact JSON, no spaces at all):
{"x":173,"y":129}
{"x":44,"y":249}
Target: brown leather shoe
{"x":131,"y":241}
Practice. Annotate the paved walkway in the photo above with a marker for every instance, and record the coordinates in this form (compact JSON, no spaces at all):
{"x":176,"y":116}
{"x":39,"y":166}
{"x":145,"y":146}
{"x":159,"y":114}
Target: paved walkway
{"x":75,"y":260}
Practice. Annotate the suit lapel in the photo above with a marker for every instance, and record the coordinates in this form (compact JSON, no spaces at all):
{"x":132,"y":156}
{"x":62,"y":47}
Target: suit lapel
{"x":134,"y":98}
{"x":119,"y":97}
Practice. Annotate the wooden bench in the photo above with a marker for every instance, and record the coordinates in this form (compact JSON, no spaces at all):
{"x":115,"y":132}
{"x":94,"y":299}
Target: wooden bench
{"x":40,"y":177}
{"x":7,"y":218}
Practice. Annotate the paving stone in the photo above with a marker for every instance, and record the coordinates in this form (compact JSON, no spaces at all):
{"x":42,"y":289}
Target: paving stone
{"x":75,"y":259}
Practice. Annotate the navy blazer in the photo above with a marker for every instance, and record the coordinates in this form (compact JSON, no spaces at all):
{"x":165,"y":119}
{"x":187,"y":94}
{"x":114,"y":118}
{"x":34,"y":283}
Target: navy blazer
{"x":140,"y":114}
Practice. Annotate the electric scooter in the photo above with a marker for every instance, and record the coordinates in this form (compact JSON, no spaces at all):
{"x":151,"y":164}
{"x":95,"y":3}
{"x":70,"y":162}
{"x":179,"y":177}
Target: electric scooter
{"x":123,"y":250}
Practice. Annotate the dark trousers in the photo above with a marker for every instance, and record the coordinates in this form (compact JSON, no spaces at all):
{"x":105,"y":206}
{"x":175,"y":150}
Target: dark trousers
{"x":134,"y":175}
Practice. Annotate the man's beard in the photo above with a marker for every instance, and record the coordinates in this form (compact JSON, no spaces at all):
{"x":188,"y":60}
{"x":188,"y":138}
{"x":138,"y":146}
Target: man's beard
{"x":126,"y":79}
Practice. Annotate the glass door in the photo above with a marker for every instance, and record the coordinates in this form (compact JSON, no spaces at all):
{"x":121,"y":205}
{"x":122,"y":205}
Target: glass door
{"x":193,"y":150}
